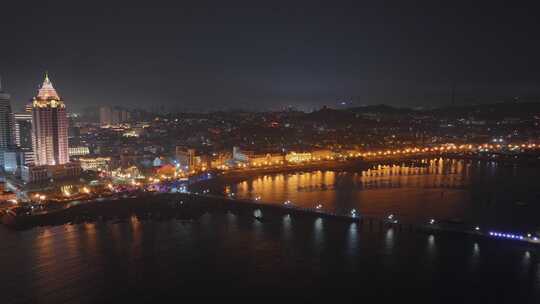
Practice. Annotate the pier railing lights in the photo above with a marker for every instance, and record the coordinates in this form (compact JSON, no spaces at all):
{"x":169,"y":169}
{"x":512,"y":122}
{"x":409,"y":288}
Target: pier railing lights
{"x":507,"y":235}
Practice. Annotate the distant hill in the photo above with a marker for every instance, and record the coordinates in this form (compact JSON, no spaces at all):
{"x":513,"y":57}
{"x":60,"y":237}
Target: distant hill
{"x":381,"y":109}
{"x":482,"y":111}
{"x":329,"y":115}
{"x":491,"y":111}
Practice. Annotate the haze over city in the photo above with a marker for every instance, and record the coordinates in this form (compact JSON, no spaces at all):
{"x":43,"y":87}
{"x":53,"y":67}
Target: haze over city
{"x":157,"y":150}
{"x":204,"y":55}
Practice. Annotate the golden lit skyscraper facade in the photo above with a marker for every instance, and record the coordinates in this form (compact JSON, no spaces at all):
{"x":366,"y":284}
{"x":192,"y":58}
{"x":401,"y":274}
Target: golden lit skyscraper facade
{"x":49,"y":127}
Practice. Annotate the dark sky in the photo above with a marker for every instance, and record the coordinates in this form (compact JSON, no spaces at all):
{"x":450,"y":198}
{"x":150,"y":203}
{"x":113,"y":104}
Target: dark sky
{"x":202,"y":55}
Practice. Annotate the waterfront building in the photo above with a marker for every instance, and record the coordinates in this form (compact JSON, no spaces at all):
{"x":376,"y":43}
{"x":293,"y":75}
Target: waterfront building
{"x":239,"y":156}
{"x":266,"y":160}
{"x":294,"y":157}
{"x":204,"y":162}
{"x":49,"y":127}
{"x":322,"y":155}
{"x":351,"y":153}
{"x":219,"y":160}
{"x":5,"y":123}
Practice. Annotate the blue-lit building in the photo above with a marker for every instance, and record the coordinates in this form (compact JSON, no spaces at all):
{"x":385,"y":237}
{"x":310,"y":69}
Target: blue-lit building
{"x":6,"y":138}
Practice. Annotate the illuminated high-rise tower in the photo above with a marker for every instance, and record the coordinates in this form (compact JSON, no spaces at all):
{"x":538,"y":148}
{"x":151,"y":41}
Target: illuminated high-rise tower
{"x":5,"y":123}
{"x":49,"y":127}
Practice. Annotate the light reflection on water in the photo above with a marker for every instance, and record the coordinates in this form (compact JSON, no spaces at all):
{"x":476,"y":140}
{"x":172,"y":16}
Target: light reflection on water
{"x":431,"y":246}
{"x":482,"y":193}
{"x":389,"y":241}
{"x":287,"y":227}
{"x":474,"y":257}
{"x":353,"y":237}
{"x":318,"y":233}
{"x":217,"y":245}
{"x":96,"y":259}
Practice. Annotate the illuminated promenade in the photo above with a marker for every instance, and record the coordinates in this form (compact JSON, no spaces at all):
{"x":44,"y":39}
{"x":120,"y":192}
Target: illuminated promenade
{"x":290,"y":162}
{"x":493,"y":151}
{"x":452,"y":149}
{"x":163,"y":184}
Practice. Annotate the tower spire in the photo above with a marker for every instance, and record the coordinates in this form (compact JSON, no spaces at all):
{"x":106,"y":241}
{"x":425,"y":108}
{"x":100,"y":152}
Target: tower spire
{"x":47,"y":80}
{"x":47,"y":90}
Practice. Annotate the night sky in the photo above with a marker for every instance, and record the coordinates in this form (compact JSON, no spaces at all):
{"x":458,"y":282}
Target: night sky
{"x":228,"y":54}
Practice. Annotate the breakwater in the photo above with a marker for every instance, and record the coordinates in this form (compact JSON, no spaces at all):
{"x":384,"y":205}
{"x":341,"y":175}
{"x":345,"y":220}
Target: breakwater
{"x":190,"y":207}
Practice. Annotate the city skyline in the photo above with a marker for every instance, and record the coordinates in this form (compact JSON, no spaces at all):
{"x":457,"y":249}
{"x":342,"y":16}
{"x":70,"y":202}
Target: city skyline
{"x":152,"y":151}
{"x":124,"y":110}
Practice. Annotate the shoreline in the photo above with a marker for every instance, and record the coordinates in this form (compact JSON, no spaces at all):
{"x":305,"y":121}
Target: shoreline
{"x":355,"y":165}
{"x":240,"y":175}
{"x":190,"y":207}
